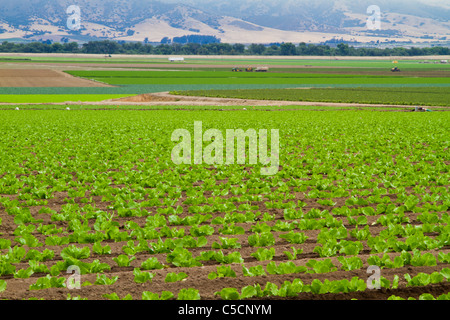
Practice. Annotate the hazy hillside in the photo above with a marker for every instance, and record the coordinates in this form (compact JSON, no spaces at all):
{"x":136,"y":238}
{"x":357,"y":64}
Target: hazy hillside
{"x":243,"y":21}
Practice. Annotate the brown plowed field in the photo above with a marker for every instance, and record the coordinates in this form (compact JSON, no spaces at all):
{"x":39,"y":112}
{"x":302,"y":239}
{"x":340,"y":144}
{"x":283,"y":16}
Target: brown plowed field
{"x":43,"y":78}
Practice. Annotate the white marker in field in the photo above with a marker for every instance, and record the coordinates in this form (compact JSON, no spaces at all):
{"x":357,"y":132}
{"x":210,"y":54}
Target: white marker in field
{"x":214,"y":152}
{"x":373,"y":282}
{"x":374,"y":21}
{"x":74,"y":20}
{"x":74,"y":281}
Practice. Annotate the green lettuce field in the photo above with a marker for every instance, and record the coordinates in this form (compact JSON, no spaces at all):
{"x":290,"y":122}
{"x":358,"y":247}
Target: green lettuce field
{"x":97,"y":191}
{"x":95,"y":204}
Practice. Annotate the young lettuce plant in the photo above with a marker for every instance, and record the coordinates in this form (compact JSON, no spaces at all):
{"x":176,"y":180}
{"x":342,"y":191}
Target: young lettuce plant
{"x":28,"y":240}
{"x":38,"y":268}
{"x":69,"y":297}
{"x":232,"y":257}
{"x":101,"y":250}
{"x":222,"y":271}
{"x":15,"y":254}
{"x":36,"y":255}
{"x":228,"y":294}
{"x":174,"y":277}
{"x":423,"y":279}
{"x":253,"y":271}
{"x":327,"y":234}
{"x":85,"y":268}
{"x":294,"y":237}
{"x":360,"y":220}
{"x":261,"y":239}
{"x":328,"y":249}
{"x":219,"y":256}
{"x":262,"y":254}
{"x":226,"y":243}
{"x":48,"y":282}
{"x":114,"y":296}
{"x":320,"y":266}
{"x":191,"y":242}
{"x":426,"y":259}
{"x":337,"y":286}
{"x":291,"y":289}
{"x":181,"y":257}
{"x":444,"y":257}
{"x":56,"y":241}
{"x":350,"y":248}
{"x":102,"y":279}
{"x":48,"y":229}
{"x":123,"y":260}
{"x":360,"y":234}
{"x":204,"y":230}
{"x":284,"y":226}
{"x":351,"y":263}
{"x":165,"y":295}
{"x":231,"y":229}
{"x":261,"y":227}
{"x":151,"y":264}
{"x":284,"y":268}
{"x":385,"y":283}
{"x":293,"y":255}
{"x":188,"y":294}
{"x":6,"y":268}
{"x":142,"y":276}
{"x":23,"y":273}
{"x":75,"y":252}
{"x":131,"y":249}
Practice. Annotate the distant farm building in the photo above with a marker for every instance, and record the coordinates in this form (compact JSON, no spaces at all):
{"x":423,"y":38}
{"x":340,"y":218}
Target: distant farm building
{"x":176,"y":59}
{"x":262,"y":69}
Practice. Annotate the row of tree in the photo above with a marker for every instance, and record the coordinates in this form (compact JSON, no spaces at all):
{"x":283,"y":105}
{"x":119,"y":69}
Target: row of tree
{"x":283,"y":49}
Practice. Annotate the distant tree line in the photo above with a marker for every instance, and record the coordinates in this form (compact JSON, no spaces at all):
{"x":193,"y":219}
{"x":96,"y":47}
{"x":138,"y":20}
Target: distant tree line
{"x":282,"y":49}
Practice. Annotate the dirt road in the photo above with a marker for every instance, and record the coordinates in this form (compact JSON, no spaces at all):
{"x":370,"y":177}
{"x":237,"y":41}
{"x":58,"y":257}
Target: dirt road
{"x":164,"y":98}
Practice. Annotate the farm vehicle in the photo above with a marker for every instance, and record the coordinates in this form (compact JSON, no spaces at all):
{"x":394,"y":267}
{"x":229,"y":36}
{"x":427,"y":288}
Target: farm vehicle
{"x":251,"y":69}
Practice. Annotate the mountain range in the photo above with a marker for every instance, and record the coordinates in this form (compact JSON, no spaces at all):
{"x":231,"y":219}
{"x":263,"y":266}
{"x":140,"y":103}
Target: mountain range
{"x":232,"y":21}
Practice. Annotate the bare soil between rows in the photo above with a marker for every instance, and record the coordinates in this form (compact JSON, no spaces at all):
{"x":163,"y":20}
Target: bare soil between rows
{"x":198,"y":276}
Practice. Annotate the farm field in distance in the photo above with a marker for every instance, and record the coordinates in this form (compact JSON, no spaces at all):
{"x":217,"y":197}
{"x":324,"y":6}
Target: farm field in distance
{"x":134,"y":76}
{"x":431,"y":96}
{"x":362,"y":184}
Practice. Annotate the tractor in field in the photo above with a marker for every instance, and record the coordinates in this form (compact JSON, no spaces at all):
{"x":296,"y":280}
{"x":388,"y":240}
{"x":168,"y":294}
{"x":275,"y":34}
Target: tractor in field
{"x":395,"y":69}
{"x":421,"y":109}
{"x":251,"y":69}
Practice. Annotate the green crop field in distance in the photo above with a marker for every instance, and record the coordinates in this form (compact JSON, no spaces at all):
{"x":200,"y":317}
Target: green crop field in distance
{"x":277,"y":80}
{"x":103,"y":74}
{"x":431,"y":96}
{"x":244,"y":78}
{"x":229,"y":62}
